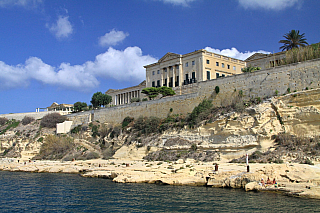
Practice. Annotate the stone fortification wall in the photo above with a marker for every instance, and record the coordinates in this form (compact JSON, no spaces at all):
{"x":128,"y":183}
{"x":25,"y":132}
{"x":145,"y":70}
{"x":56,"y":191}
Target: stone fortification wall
{"x":261,"y":84}
{"x":35,"y":115}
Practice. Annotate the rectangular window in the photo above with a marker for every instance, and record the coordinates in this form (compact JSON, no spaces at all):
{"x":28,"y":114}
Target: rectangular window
{"x":158,"y":83}
{"x":222,"y":65}
{"x":177,"y":67}
{"x":208,"y":61}
{"x":177,"y":82}
{"x":193,"y":75}
{"x":217,"y":75}
{"x":217,"y":64}
{"x":158,"y":72}
{"x":152,"y":72}
{"x":234,"y":67}
{"x":193,"y":63}
{"x":165,"y":69}
{"x":165,"y":82}
{"x":171,"y":68}
{"x":187,"y":64}
{"x":208,"y":75}
{"x":228,"y":66}
{"x":153,"y":84}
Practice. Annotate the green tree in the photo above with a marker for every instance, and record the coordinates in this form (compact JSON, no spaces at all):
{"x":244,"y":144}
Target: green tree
{"x":99,"y":99}
{"x":166,"y":91}
{"x":79,"y":106}
{"x":96,"y":99}
{"x":106,"y":99}
{"x":151,"y":92}
{"x":292,"y":40}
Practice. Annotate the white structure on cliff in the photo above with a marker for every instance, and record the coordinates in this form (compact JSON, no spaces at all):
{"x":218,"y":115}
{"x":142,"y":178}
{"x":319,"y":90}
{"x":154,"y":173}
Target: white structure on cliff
{"x":124,"y":96}
{"x":175,"y":70}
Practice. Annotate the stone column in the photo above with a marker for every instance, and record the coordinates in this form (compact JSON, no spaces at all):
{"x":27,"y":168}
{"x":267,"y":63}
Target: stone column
{"x":173,"y":76}
{"x":168,"y":76}
{"x":162,"y":76}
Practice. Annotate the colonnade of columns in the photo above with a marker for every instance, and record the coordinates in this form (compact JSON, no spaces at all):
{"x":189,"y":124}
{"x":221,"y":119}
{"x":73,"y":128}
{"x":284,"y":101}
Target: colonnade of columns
{"x":171,"y":72}
{"x":125,"y":98}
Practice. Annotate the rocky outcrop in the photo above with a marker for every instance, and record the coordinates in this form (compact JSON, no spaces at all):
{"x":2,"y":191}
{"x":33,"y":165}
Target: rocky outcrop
{"x":292,"y":179}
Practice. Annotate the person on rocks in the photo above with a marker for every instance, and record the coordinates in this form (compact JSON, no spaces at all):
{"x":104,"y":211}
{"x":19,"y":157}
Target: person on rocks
{"x":262,"y":182}
{"x":269,"y":181}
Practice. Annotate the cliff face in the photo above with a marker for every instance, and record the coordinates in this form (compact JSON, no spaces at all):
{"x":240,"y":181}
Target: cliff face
{"x":228,"y":136}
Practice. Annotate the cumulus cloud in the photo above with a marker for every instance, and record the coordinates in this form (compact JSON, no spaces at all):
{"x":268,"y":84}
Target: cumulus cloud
{"x":269,"y":4}
{"x":112,"y":38}
{"x":126,"y":65}
{"x":62,"y":28}
{"x":22,"y":3}
{"x":178,"y":2}
{"x":234,"y":53}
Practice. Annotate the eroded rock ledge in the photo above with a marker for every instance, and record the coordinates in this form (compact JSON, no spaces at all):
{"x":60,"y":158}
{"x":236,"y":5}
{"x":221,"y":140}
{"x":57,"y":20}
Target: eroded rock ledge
{"x":293,"y":179}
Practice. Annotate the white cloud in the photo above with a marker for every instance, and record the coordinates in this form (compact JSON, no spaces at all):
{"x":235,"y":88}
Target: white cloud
{"x":112,"y":38}
{"x":126,"y":65}
{"x":178,"y":2}
{"x":234,"y":53}
{"x":61,"y":29}
{"x":22,"y":3}
{"x":268,"y":4}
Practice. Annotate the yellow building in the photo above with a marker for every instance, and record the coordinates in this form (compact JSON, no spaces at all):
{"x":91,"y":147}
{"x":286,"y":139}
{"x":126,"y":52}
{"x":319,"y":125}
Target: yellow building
{"x":174,"y":70}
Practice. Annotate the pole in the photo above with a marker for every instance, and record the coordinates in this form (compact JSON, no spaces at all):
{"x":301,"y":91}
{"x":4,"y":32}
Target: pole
{"x":247,"y":162}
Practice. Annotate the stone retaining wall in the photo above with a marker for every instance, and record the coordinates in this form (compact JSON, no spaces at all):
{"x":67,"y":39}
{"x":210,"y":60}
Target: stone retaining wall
{"x":35,"y":115}
{"x":264,"y":83}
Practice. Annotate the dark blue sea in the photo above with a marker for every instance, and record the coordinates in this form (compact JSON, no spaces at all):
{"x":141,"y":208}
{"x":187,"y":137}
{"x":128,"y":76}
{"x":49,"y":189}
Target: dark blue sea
{"x":45,"y":192}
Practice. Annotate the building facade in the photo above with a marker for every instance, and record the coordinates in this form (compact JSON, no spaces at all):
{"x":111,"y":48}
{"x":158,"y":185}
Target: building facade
{"x":124,"y":96}
{"x":265,"y":61}
{"x":175,"y":70}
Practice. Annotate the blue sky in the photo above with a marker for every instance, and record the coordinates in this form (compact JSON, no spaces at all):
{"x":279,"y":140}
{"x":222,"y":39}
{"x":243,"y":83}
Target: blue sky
{"x":65,"y":50}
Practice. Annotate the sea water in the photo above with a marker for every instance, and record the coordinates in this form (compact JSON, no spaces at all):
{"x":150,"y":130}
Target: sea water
{"x":47,"y":192}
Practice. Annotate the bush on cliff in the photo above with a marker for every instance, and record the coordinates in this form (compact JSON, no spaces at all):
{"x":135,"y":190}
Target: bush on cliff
{"x":55,"y":147}
{"x":26,"y":120}
{"x":126,"y":121}
{"x":51,"y":120}
{"x":3,"y":121}
{"x":200,"y":112}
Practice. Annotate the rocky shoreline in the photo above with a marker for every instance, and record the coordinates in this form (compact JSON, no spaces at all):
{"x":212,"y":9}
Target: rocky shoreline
{"x":299,"y":180}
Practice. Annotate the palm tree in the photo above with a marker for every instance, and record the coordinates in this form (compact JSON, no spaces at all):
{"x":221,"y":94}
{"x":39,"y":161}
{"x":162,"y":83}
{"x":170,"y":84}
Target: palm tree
{"x":293,"y":39}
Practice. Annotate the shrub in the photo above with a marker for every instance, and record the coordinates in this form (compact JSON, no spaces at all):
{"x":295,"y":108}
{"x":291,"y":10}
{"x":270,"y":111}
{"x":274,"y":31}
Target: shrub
{"x":76,"y":129}
{"x":217,"y":89}
{"x":3,"y":121}
{"x":92,"y":155}
{"x":26,"y":120}
{"x":104,"y":130}
{"x":204,"y":107}
{"x":288,"y":90}
{"x":135,"y":100}
{"x":126,"y":121}
{"x":139,"y":124}
{"x":108,"y":153}
{"x":55,"y":147}
{"x":152,"y":125}
{"x":51,"y":120}
{"x":11,"y":124}
{"x":194,"y":147}
{"x":240,"y":93}
{"x":116,"y":131}
{"x":144,"y":99}
{"x":94,"y":130}
{"x":250,"y":69}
